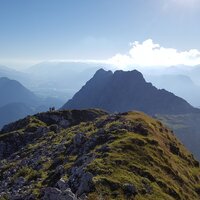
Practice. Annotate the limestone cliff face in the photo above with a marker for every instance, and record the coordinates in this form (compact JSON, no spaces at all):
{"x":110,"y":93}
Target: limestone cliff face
{"x":126,"y":90}
{"x":90,"y":154}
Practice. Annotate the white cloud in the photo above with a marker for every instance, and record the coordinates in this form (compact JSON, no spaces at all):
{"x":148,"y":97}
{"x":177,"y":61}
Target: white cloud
{"x":149,"y":53}
{"x":145,"y":54}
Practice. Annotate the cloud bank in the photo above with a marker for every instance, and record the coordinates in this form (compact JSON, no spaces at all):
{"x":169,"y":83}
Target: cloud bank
{"x":148,"y":54}
{"x":141,"y":54}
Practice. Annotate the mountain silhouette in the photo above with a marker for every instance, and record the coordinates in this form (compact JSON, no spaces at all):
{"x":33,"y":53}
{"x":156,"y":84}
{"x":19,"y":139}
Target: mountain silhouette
{"x":13,"y":91}
{"x":124,"y":91}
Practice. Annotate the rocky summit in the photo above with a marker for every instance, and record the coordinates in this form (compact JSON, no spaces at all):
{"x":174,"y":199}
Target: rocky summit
{"x":122,"y":91}
{"x":90,"y":154}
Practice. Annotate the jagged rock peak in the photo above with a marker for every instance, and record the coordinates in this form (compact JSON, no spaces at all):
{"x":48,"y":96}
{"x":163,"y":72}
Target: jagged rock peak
{"x":122,"y":91}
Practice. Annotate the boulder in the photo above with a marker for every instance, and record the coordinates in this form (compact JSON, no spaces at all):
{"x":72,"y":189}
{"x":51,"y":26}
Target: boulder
{"x":64,"y":123}
{"x":129,"y":189}
{"x":79,"y":139}
{"x":56,"y":194}
{"x":54,"y":128}
{"x":86,"y":184}
{"x":62,"y":185}
{"x":20,"y":181}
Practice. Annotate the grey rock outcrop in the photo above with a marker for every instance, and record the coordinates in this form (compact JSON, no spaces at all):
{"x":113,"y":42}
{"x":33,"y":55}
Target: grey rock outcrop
{"x":56,"y":194}
{"x":86,"y":184}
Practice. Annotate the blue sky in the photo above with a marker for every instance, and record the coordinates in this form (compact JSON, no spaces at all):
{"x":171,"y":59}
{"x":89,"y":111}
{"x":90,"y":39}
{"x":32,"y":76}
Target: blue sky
{"x":36,"y":30}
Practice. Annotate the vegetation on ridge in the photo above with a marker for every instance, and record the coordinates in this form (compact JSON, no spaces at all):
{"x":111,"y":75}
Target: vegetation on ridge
{"x":119,"y":156}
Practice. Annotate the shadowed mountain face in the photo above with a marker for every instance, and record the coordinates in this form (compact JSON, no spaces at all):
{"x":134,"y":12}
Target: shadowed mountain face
{"x":12,"y":91}
{"x":88,"y":153}
{"x":123,"y":91}
{"x":14,"y":111}
{"x":16,"y":101}
{"x":180,"y":85}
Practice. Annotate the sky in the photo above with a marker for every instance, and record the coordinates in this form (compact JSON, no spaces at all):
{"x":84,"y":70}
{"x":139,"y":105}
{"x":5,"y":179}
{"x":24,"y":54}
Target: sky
{"x":120,"y":32}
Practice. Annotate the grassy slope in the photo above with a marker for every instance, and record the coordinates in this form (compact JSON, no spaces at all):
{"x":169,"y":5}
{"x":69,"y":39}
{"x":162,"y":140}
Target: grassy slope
{"x":186,"y":128}
{"x":141,"y":152}
{"x":146,"y":161}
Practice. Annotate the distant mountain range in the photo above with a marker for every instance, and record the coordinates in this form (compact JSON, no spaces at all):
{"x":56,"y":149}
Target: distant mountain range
{"x":12,"y":91}
{"x":127,"y":90}
{"x":14,"y":74}
{"x":63,"y":79}
{"x":17,"y":101}
{"x":53,"y":79}
{"x":181,"y":85}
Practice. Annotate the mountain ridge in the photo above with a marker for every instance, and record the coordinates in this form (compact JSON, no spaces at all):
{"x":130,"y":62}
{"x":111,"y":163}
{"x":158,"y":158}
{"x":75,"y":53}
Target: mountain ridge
{"x":13,"y":91}
{"x":90,"y":154}
{"x":126,"y":90}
